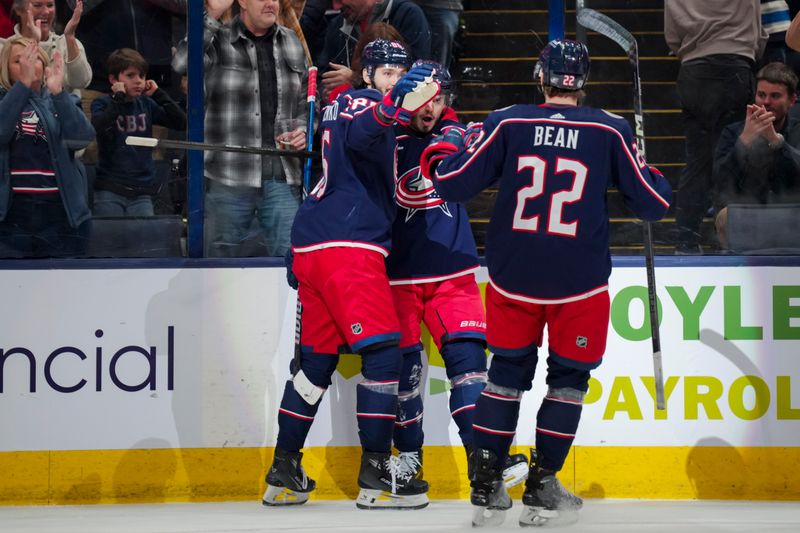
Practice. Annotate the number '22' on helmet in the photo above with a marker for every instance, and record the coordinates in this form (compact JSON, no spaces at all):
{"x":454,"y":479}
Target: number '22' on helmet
{"x":564,"y":64}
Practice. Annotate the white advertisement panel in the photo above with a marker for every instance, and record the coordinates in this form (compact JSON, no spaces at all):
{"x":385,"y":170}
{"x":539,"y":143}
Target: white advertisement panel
{"x":118,"y":359}
{"x":195,"y":358}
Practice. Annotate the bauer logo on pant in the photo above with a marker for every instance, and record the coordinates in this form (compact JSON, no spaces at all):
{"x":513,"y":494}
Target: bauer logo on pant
{"x":356,"y":328}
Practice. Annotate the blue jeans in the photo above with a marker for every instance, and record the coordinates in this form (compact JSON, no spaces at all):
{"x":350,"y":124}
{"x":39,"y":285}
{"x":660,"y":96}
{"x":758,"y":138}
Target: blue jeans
{"x":236,"y":215}
{"x":444,"y":25}
{"x":111,"y":204}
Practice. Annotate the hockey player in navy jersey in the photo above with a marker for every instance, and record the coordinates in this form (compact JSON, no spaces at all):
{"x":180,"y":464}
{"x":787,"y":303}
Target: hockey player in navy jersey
{"x":340,"y":238}
{"x":548,"y":260}
{"x":432,"y":273}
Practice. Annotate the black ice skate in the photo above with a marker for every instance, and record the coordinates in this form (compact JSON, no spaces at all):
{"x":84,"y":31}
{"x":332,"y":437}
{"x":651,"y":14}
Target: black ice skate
{"x":287,"y":482}
{"x":545,"y":498}
{"x":515,"y":470}
{"x":385,"y":485}
{"x":488,"y":494}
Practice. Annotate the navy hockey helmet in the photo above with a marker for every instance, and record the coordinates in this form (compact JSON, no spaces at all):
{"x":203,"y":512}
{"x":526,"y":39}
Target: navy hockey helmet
{"x":442,"y":76}
{"x":381,"y":52}
{"x":564,"y":63}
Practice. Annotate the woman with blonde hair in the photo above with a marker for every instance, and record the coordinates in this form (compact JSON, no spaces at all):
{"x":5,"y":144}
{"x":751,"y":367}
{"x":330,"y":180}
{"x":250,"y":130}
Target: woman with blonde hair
{"x":44,"y":209}
{"x":36,"y":20}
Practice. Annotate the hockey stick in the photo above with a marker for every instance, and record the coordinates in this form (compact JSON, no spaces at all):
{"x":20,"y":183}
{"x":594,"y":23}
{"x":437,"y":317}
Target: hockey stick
{"x":311,"y":98}
{"x":152,"y":142}
{"x":595,"y":21}
{"x":580,"y":31}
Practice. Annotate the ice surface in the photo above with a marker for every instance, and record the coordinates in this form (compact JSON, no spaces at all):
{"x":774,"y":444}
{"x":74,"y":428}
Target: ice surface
{"x":618,"y":516}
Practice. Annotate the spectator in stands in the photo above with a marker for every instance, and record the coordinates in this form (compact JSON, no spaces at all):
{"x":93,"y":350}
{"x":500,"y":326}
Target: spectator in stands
{"x":44,"y":210}
{"x":344,"y":31}
{"x":143,"y":25}
{"x":126,"y":179}
{"x":255,"y":81}
{"x":6,"y":24}
{"x":442,"y":16}
{"x":314,"y":22}
{"x":715,"y":83}
{"x":775,"y":20}
{"x":758,"y":160}
{"x":36,"y":20}
{"x":378,"y":30}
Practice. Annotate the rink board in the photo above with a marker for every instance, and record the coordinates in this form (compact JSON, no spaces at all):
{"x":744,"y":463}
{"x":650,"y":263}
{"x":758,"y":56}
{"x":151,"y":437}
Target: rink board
{"x":162,"y":384}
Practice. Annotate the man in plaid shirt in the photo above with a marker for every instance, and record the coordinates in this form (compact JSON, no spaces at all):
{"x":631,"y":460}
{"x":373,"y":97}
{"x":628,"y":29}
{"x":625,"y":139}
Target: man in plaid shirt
{"x":255,"y":93}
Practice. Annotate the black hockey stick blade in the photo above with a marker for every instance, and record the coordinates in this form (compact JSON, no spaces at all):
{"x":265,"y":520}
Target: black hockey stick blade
{"x":608,"y":27}
{"x":596,"y":21}
{"x":152,"y":142}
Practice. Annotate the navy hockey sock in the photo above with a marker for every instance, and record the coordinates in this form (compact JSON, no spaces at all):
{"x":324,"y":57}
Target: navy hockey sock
{"x":466,"y":389}
{"x":408,"y":436}
{"x":560,"y":412}
{"x":376,"y":398}
{"x":376,"y":409}
{"x":496,"y":414}
{"x":556,"y":425}
{"x":295,"y":417}
{"x":465,"y":361}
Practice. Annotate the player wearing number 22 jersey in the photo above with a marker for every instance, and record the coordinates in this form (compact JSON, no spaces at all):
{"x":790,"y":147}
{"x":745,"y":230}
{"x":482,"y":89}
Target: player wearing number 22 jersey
{"x":548,"y":237}
{"x":549,"y":262}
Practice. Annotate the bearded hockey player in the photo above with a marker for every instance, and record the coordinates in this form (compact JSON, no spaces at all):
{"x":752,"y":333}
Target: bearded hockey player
{"x":432,"y":273}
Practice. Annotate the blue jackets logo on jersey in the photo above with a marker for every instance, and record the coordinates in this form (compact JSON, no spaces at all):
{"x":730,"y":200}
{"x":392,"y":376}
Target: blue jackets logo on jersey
{"x":30,"y":124}
{"x":415,"y":192}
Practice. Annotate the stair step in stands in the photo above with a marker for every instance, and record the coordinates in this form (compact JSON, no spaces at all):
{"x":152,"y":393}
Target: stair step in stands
{"x":500,"y":41}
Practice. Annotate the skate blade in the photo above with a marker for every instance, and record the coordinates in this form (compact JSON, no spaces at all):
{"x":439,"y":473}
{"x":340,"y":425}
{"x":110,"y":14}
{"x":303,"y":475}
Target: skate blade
{"x":275,"y":496}
{"x":541,"y":517}
{"x":487,"y":516}
{"x":515,"y":474}
{"x":381,"y":499}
